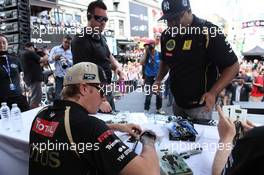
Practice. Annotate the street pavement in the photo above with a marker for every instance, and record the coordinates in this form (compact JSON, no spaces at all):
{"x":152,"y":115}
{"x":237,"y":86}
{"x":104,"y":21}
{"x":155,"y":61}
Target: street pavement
{"x":134,"y":102}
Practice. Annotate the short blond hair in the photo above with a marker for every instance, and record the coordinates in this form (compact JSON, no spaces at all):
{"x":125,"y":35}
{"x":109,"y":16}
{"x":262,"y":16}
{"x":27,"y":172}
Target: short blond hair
{"x":71,"y":91}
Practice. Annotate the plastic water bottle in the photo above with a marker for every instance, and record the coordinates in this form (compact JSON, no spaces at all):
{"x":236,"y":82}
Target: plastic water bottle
{"x":16,"y":119}
{"x":5,"y":116}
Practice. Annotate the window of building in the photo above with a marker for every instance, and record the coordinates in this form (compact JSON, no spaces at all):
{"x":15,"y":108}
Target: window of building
{"x":68,"y":18}
{"x":58,"y":17}
{"x":78,"y":18}
{"x":111,"y":24}
{"x":115,"y":6}
{"x":121,"y":27}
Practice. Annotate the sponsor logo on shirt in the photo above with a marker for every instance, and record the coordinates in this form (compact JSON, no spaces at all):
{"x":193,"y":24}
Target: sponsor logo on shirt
{"x":187,"y":45}
{"x":14,"y":66}
{"x":121,"y":149}
{"x":125,"y":151}
{"x":105,"y":135}
{"x":170,"y":45}
{"x":112,"y":144}
{"x":168,"y":54}
{"x":52,"y":114}
{"x":44,"y":127}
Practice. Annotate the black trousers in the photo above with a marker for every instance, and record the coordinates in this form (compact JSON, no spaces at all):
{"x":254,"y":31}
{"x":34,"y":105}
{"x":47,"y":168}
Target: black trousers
{"x":149,"y":81}
{"x":58,"y":87}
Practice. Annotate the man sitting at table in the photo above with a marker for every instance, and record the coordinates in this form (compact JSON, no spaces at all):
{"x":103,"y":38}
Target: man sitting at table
{"x":66,"y":139}
{"x":247,"y":155}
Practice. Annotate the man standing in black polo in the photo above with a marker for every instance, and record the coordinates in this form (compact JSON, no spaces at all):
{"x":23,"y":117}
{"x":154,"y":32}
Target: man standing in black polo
{"x":33,"y":77}
{"x":91,"y":46}
{"x":196,"y":53}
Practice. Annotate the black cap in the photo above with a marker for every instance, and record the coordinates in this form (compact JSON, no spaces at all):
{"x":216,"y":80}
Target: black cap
{"x":171,"y":8}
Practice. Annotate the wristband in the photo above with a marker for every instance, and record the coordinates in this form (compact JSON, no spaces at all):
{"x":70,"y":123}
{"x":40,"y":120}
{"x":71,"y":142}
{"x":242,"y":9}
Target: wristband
{"x":148,"y":134}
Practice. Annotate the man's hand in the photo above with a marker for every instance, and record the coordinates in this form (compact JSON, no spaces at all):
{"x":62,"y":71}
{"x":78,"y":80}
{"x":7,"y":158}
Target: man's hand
{"x":156,"y":87}
{"x":227,"y":131}
{"x":226,"y":127}
{"x":131,"y":129}
{"x":56,"y":57}
{"x":105,"y":107}
{"x":209,"y":99}
{"x":121,"y":74}
{"x":148,"y":137}
{"x":44,"y":60}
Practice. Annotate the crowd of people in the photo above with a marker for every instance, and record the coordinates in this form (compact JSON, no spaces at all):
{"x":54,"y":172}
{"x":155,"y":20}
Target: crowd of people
{"x":247,"y":86}
{"x":200,"y":68}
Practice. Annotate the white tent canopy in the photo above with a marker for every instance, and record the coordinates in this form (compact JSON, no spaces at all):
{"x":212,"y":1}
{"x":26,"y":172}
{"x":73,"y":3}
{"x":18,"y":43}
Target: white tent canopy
{"x":256,"y":51}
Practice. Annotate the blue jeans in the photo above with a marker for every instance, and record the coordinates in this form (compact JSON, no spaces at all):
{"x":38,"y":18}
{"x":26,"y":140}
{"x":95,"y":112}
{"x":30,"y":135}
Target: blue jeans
{"x":58,"y":87}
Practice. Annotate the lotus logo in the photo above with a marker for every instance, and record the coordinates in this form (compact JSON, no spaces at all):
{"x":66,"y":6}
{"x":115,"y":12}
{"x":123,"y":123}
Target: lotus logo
{"x":166,"y":6}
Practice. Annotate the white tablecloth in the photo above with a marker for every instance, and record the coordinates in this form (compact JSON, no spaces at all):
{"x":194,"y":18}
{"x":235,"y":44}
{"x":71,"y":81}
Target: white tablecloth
{"x":14,"y":146}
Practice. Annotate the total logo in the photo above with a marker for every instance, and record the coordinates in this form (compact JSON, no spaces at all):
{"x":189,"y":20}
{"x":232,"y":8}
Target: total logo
{"x":44,"y":127}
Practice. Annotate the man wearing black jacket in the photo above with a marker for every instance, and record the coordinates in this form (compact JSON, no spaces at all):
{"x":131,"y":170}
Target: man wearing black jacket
{"x":91,"y":46}
{"x":239,"y":90}
{"x":10,"y":68}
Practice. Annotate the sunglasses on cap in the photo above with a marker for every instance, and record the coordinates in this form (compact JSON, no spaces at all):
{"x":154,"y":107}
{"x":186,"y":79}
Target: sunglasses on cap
{"x":100,"y":88}
{"x":100,"y":18}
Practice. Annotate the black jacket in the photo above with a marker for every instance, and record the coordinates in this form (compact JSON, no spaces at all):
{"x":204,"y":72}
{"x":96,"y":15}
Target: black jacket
{"x":244,"y":93}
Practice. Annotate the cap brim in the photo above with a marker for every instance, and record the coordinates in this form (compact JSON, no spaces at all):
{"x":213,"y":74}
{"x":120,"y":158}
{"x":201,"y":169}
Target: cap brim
{"x":170,"y":15}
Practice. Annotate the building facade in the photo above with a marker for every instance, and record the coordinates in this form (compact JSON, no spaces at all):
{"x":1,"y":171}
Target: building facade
{"x":122,"y":14}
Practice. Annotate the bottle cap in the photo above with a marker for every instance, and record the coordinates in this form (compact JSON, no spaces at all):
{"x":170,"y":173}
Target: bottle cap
{"x":14,"y":105}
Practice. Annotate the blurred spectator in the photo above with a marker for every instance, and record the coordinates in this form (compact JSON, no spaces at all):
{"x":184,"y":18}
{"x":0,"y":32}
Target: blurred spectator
{"x":33,"y":77}
{"x":256,"y":95}
{"x":10,"y":68}
{"x":240,"y":91}
{"x":92,"y":47}
{"x":151,"y":62}
{"x":62,"y":57}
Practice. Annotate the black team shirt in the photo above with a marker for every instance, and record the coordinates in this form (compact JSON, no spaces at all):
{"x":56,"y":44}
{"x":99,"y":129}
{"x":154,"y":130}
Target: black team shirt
{"x":92,"y":48}
{"x":100,"y":151}
{"x":194,"y":67}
